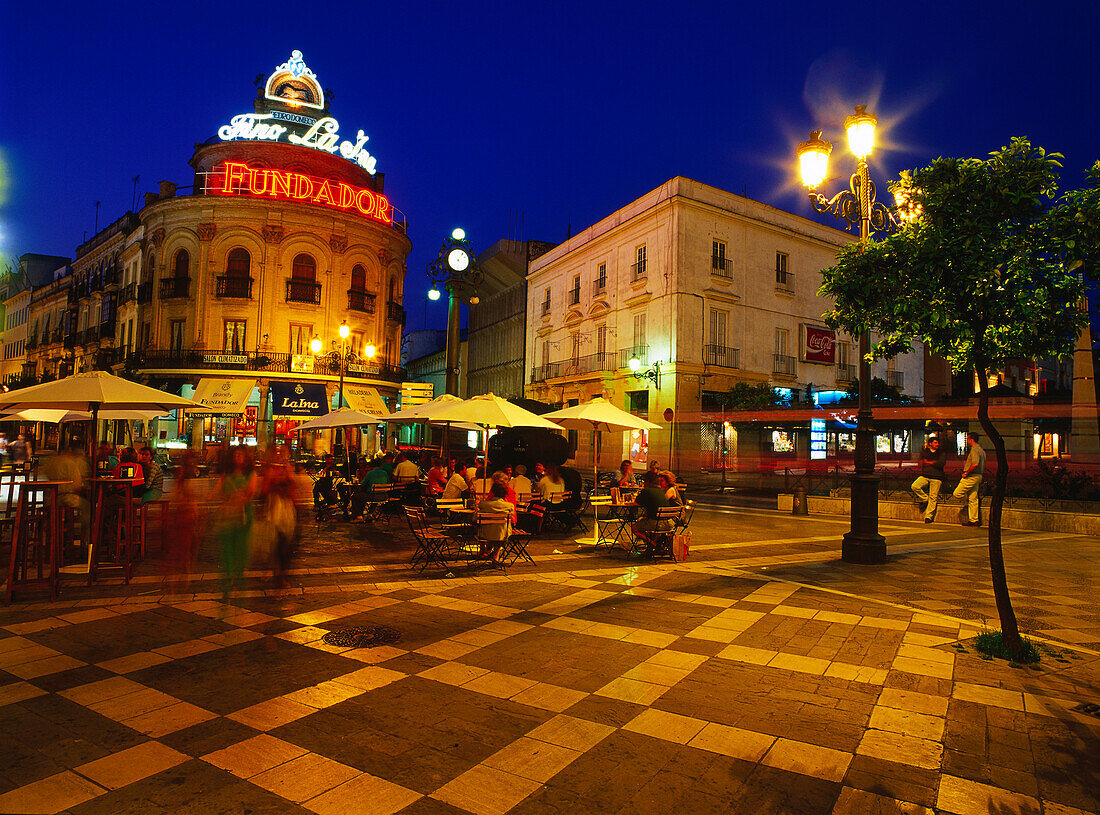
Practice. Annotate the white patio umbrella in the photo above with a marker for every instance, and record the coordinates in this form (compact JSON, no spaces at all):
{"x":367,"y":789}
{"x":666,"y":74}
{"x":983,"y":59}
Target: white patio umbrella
{"x":425,"y":414}
{"x":344,"y":417}
{"x":57,"y":416}
{"x":598,"y":415}
{"x":489,"y":410}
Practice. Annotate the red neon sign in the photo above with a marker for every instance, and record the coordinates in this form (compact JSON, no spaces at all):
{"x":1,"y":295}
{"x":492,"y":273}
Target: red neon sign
{"x":238,"y":178}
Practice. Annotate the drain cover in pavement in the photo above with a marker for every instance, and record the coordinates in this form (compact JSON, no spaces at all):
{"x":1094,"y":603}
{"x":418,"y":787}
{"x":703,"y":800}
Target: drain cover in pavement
{"x":363,"y":637}
{"x":1087,"y":708}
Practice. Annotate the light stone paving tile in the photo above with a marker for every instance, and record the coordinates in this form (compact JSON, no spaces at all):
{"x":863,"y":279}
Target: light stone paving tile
{"x":453,"y":673}
{"x":15,"y":644}
{"x":923,"y":667}
{"x":632,"y":690}
{"x":907,"y":722}
{"x":486,"y":791}
{"x":532,"y":759}
{"x":678,"y":659}
{"x":872,"y":676}
{"x":569,"y":731}
{"x":728,"y":623}
{"x":861,"y":802}
{"x":959,"y":796}
{"x":324,"y":694}
{"x":549,"y":697}
{"x":324,"y":646}
{"x":500,"y":685}
{"x":808,"y":759}
{"x":133,"y":704}
{"x":666,"y":726}
{"x":44,"y":667}
{"x":506,"y":627}
{"x":793,"y":611}
{"x":885,"y":623}
{"x":363,"y":795}
{"x":902,"y":749}
{"x":735,"y":742}
{"x":33,"y":627}
{"x":993,"y":697}
{"x":794,"y":662}
{"x":19,"y":692}
{"x":610,"y":632}
{"x":937,"y":621}
{"x":926,"y":640}
{"x":478,"y":637}
{"x":86,"y":616}
{"x":657,"y":674}
{"x":249,"y":618}
{"x":753,"y":656}
{"x":369,"y":678}
{"x":842,"y":670}
{"x":717,"y":602}
{"x":923,"y":652}
{"x":182,"y":650}
{"x":372,"y":656}
{"x":1047,"y":705}
{"x":313,"y":617}
{"x":771,"y":592}
{"x":133,"y":662}
{"x":169,"y":719}
{"x":255,"y":755}
{"x":120,"y":769}
{"x":304,"y":777}
{"x":58,"y":793}
{"x":706,"y":632}
{"x":913,"y":701}
{"x":32,"y":653}
{"x":101,"y":690}
{"x":271,"y":713}
{"x":837,"y":617}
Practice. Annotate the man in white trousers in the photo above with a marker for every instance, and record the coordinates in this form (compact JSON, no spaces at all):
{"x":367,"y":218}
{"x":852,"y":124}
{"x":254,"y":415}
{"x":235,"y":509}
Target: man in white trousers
{"x":971,"y":479}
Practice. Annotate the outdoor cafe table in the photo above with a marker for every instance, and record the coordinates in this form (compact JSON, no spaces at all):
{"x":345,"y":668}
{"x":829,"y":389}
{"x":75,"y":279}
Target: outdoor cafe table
{"x":36,"y":538}
{"x":102,"y":487}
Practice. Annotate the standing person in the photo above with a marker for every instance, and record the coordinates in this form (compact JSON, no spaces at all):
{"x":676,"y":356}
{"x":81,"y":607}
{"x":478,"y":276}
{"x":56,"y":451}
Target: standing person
{"x":932,"y":461}
{"x":971,"y":480}
{"x":3,"y":447}
{"x":235,"y":492}
{"x":20,"y":451}
{"x":278,"y":491}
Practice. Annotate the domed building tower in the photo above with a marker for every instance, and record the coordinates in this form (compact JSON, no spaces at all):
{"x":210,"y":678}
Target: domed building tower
{"x":278,"y":274}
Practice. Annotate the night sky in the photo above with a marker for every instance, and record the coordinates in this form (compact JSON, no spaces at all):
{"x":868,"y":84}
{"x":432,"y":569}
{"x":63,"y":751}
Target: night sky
{"x":523,"y":119}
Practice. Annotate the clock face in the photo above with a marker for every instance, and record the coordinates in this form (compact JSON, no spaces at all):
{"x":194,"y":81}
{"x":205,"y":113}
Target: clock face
{"x":458,"y":260}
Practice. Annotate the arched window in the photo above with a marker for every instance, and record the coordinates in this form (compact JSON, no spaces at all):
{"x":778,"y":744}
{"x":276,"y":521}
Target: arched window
{"x":181,"y":266}
{"x":358,"y":278}
{"x":152,"y":265}
{"x":393,"y":288}
{"x":238,"y":264}
{"x":304,"y":267}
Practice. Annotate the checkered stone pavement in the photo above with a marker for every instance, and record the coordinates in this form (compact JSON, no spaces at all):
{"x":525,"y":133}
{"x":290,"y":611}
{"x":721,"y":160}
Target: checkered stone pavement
{"x":698,"y":687}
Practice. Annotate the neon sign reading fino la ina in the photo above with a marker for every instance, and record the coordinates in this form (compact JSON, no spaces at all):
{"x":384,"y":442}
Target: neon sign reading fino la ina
{"x":238,"y":178}
{"x":323,"y":134}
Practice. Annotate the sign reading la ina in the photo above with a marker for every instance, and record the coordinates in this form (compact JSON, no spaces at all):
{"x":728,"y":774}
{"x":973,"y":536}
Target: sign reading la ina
{"x":293,"y":85}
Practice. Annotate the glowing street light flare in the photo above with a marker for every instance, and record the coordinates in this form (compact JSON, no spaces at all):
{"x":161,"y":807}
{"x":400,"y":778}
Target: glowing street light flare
{"x":369,"y":350}
{"x":813,"y":159}
{"x":315,"y":345}
{"x":345,"y":332}
{"x":433,"y":293}
{"x":459,"y":234}
{"x":861,"y":131}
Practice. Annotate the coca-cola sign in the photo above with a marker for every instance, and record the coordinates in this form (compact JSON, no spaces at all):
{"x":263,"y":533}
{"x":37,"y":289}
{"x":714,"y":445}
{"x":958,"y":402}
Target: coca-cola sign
{"x":818,"y":344}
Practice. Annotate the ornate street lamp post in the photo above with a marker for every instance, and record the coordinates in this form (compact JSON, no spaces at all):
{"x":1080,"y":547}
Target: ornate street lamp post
{"x":456,"y":270}
{"x":340,"y":357}
{"x":855,"y":205}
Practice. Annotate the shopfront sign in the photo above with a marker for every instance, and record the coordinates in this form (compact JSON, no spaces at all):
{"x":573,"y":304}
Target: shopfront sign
{"x":818,"y":439}
{"x":225,"y":359}
{"x":246,"y":425}
{"x":298,"y":399}
{"x":818,"y":344}
{"x":365,"y":399}
{"x":226,"y":397}
{"x":240,"y":178}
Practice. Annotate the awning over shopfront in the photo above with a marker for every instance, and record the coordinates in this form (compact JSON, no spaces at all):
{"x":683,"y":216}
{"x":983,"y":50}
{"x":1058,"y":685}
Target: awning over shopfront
{"x":224,"y":396}
{"x":298,"y":400}
{"x":365,"y":399}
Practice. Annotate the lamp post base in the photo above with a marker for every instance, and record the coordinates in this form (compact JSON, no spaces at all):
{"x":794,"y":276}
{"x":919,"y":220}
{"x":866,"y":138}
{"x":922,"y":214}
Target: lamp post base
{"x":863,"y":544}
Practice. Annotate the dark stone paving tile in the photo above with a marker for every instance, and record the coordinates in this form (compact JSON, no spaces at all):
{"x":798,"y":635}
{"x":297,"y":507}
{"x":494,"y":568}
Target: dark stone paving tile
{"x":525,"y":594}
{"x":411,"y":663}
{"x":561,"y":658}
{"x":274,"y":627}
{"x":532,"y":617}
{"x":58,"y":719}
{"x":769,"y":791}
{"x":690,"y":645}
{"x":430,"y":806}
{"x":724,"y":586}
{"x":238,"y":676}
{"x":215,"y":734}
{"x":166,"y":791}
{"x":665,"y":616}
{"x":239,"y":798}
{"x":600,"y":709}
{"x":419,"y":625}
{"x":893,"y":780}
{"x":63,"y":680}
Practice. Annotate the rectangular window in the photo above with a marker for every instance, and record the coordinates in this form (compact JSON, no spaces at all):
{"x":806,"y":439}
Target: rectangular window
{"x":782,"y":276}
{"x":575,"y":344}
{"x":639,"y":330}
{"x":176,"y":334}
{"x":234,"y":337}
{"x":637,"y":402}
{"x":575,"y":292}
{"x":601,"y":277}
{"x":145,"y":331}
{"x":546,"y":303}
{"x":546,"y":352}
{"x":601,"y":339}
{"x":842,"y":351}
{"x":639,"y":261}
{"x":718,"y":262}
{"x":300,"y":335}
{"x":719,"y":321}
{"x":781,"y":337}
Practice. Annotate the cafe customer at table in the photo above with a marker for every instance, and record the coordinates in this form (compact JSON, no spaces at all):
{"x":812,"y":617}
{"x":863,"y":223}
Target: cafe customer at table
{"x":437,"y":477}
{"x":624,"y":479}
{"x":70,"y":466}
{"x":129,"y":468}
{"x":520,"y":482}
{"x":405,"y":470}
{"x":457,"y":487}
{"x":496,"y":502}
{"x":650,"y":499}
{"x":153,"y":485}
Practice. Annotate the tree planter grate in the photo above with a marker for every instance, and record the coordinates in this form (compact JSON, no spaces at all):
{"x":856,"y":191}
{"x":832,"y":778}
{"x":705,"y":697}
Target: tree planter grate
{"x":363,"y":637}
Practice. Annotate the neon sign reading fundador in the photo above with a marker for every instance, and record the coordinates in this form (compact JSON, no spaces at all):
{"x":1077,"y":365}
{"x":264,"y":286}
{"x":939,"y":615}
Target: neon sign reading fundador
{"x":238,"y":178}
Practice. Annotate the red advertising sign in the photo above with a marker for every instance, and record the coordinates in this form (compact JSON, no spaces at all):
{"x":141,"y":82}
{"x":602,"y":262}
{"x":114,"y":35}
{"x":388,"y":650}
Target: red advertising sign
{"x":818,"y":344}
{"x":246,"y":426}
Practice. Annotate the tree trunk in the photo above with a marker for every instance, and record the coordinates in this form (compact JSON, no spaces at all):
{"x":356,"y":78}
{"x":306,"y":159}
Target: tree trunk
{"x":1009,"y":630}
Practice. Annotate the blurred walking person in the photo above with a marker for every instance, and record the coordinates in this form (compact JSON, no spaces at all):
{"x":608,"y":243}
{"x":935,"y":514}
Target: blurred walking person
{"x":183,"y":542}
{"x":278,"y":491}
{"x":236,"y":489}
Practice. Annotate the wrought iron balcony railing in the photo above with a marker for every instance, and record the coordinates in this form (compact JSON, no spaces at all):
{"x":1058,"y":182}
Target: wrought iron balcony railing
{"x":233,"y":286}
{"x":171,"y":287}
{"x":361,"y":301}
{"x":303,"y":291}
{"x":722,"y":355}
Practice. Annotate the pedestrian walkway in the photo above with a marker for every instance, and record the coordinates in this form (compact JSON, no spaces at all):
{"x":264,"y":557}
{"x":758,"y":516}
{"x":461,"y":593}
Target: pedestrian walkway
{"x":761,"y":676}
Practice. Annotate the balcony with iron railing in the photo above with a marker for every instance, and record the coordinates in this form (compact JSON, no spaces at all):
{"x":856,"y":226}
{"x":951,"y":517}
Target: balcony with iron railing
{"x":145,"y":292}
{"x":303,"y":291}
{"x":199,"y":360}
{"x":638,"y":270}
{"x":722,"y":355}
{"x":784,"y":283}
{"x":361,"y":301}
{"x":127,"y":293}
{"x":171,"y":287}
{"x":395,"y":312}
{"x":89,"y":335}
{"x":639,"y":351}
{"x":721,"y":267}
{"x":846,"y":372}
{"x":599,"y":287}
{"x":107,"y":330}
{"x":70,"y":339}
{"x":575,"y":296}
{"x":895,"y":379}
{"x":233,"y":286}
{"x":783,"y":365}
{"x":56,"y":335}
{"x":32,"y":342}
{"x":545,"y":308}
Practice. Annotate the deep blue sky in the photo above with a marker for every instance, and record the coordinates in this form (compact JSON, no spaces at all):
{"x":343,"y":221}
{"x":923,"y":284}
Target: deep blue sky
{"x":559,"y":111}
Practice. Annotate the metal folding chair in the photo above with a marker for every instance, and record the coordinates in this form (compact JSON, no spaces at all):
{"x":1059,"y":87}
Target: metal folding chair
{"x":431,"y":544}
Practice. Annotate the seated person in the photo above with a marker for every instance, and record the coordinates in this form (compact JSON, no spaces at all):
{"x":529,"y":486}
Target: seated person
{"x":129,"y":468}
{"x":481,"y":485}
{"x":457,"y":487}
{"x":624,"y":479}
{"x":496,"y":503}
{"x":437,"y":478}
{"x":509,"y":494}
{"x":405,"y":471}
{"x":154,"y":477}
{"x":323,"y":493}
{"x":650,"y":499}
{"x":551,"y":483}
{"x":375,"y":475}
{"x":520,"y":482}
{"x":106,"y":458}
{"x":666,"y":480}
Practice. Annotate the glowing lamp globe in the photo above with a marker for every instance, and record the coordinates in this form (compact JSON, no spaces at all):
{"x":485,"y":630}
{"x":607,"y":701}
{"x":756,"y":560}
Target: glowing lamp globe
{"x":345,"y":332}
{"x":861,"y":131}
{"x":433,"y":293}
{"x":369,"y":351}
{"x":813,"y":159}
{"x":315,"y":345}
{"x":634,"y":363}
{"x":459,"y":234}
{"x":475,"y":300}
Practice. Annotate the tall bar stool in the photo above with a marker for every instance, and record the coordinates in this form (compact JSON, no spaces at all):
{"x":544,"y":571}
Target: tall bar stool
{"x":119,"y":547}
{"x":36,"y":538}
